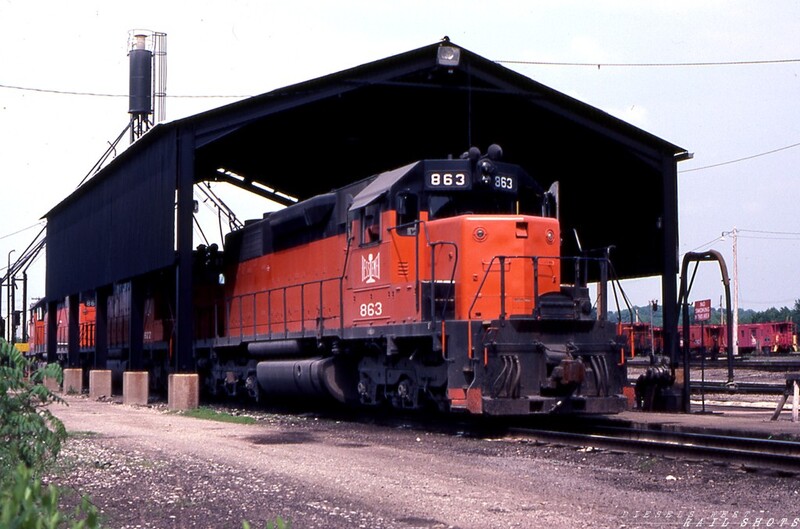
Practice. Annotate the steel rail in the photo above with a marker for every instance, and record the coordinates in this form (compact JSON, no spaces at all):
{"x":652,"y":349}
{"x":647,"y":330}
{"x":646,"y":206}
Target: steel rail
{"x":753,"y":388}
{"x":747,"y":452}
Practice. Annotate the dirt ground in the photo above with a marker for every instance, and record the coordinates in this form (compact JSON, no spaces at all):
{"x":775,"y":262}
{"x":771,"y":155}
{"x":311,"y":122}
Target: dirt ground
{"x":144,"y":467}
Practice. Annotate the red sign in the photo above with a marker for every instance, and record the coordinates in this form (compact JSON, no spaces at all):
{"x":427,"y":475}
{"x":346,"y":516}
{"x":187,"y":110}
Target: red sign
{"x":702,"y":310}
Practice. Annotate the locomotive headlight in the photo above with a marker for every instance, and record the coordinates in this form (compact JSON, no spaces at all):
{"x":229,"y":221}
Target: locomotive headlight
{"x":486,"y":169}
{"x":550,"y":236}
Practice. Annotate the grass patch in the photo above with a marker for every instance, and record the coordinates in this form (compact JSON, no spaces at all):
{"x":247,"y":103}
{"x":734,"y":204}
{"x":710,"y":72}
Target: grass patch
{"x":210,"y":414}
{"x":82,"y":434}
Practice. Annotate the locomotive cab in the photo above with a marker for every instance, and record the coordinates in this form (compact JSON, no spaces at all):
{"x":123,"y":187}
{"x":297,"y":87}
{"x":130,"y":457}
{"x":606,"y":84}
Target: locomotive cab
{"x":471,"y":248}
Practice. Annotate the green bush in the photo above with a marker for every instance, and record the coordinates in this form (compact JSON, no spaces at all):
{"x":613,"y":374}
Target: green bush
{"x":30,"y":439}
{"x":29,"y":433}
{"x":26,"y":504}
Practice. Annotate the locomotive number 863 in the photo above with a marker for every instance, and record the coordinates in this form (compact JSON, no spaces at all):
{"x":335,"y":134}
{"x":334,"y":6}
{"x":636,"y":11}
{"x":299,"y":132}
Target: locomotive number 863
{"x":438,"y":284}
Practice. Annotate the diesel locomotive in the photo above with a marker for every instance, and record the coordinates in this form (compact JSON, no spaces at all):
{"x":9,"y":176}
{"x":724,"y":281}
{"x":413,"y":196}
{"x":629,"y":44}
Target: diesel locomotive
{"x":438,"y":284}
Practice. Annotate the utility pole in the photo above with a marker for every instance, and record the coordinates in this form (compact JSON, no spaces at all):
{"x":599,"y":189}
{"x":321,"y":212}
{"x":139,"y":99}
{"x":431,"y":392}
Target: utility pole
{"x":735,"y":316}
{"x":10,"y":286}
{"x":653,"y":308}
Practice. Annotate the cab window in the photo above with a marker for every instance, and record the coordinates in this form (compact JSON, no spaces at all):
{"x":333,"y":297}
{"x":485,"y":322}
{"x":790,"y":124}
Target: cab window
{"x":407,"y":207}
{"x":371,"y":224}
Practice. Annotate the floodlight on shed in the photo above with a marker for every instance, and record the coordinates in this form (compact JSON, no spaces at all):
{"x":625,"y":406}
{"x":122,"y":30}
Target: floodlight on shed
{"x":448,"y":56}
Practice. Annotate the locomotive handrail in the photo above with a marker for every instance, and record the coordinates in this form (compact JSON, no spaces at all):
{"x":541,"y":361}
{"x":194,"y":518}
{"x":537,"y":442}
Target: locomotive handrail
{"x":535,"y":263}
{"x":239,"y":299}
{"x":417,"y":224}
{"x":284,"y":290}
{"x":433,"y":246}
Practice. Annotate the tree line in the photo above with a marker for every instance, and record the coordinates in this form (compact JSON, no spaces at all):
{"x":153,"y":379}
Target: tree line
{"x":717,"y":315}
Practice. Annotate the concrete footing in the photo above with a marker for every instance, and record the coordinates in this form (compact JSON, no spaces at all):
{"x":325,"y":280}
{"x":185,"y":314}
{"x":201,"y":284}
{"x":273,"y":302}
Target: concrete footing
{"x":52,"y":384}
{"x":73,"y":380}
{"x":135,"y":387}
{"x":183,"y":391}
{"x":99,"y":383}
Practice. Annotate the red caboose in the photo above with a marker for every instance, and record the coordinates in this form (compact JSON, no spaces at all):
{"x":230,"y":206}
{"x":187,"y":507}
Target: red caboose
{"x":766,"y":338}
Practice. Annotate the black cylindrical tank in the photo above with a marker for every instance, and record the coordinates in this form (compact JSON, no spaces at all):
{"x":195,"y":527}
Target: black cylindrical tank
{"x":308,"y":378}
{"x":139,"y":97}
{"x":294,"y":377}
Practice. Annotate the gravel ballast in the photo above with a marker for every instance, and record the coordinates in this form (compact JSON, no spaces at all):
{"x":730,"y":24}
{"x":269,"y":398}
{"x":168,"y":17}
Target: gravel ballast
{"x":146,"y":467}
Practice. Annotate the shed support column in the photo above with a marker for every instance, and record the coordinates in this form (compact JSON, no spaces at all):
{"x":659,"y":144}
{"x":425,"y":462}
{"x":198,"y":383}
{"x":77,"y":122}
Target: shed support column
{"x":669,"y":288}
{"x":184,"y":333}
{"x":101,"y":328}
{"x":137,"y":325}
{"x":670,"y":240}
{"x":74,"y":332}
{"x":52,"y":332}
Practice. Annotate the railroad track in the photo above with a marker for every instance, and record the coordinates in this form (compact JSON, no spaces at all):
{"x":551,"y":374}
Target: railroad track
{"x":748,"y":388}
{"x":744,"y":388}
{"x":782,"y":457}
{"x":748,"y":453}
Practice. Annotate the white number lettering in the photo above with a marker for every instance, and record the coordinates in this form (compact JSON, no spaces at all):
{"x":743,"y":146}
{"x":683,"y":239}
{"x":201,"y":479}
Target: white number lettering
{"x":369,"y":310}
{"x":448,"y":179}
{"x":504,"y":182}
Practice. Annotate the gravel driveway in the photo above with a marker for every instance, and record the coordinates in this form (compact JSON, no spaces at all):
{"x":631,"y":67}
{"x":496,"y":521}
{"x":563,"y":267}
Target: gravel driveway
{"x":145,"y":467}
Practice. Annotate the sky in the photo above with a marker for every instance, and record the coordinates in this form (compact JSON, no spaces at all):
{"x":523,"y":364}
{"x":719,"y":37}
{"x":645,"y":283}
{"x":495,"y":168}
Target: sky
{"x":741,"y":121}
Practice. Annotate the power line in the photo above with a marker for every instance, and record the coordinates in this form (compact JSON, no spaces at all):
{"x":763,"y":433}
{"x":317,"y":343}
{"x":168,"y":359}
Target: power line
{"x":598,"y":65}
{"x":769,"y":235}
{"x":502,"y":61}
{"x":765,"y":232}
{"x":773,"y":151}
{"x":765,"y":235}
{"x":709,"y":243}
{"x":543,"y":63}
{"x":99,"y":94}
{"x":40,"y":223}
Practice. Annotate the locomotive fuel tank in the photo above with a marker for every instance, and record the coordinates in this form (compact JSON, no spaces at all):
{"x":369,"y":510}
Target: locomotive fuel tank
{"x":307,"y":378}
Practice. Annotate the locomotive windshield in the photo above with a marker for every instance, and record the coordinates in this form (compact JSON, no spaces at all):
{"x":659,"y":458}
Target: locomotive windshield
{"x":481,"y":187}
{"x":471,"y":185}
{"x":497,"y":195}
{"x":470,"y":202}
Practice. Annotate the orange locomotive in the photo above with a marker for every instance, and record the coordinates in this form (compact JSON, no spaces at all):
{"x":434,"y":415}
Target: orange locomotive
{"x":156,"y":337}
{"x":436,"y":284}
{"x":37,"y":328}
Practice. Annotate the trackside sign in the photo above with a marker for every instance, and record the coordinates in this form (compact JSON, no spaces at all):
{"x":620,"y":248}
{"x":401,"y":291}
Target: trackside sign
{"x":702,"y":310}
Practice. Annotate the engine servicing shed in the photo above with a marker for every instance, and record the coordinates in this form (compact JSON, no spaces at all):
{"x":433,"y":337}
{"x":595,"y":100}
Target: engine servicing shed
{"x":305,"y":139}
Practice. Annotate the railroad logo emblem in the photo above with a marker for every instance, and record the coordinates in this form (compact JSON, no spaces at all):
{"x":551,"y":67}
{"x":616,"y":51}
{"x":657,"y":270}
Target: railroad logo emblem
{"x":371,"y":268}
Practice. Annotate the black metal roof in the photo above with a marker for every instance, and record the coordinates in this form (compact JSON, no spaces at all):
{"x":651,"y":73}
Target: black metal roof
{"x":617,"y":182}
